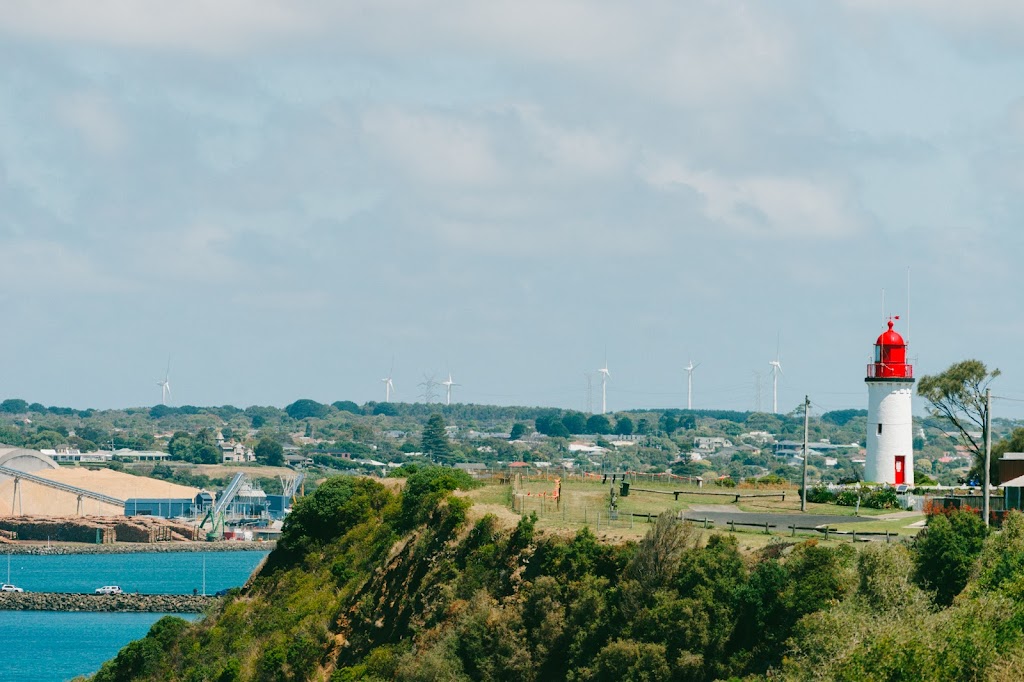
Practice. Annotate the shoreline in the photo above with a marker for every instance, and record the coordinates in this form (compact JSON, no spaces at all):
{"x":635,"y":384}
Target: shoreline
{"x":63,"y":548}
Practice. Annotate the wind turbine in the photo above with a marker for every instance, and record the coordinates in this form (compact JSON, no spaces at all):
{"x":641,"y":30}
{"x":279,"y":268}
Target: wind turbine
{"x":388,"y":384}
{"x":604,"y":386}
{"x":165,"y":385}
{"x":689,"y":383}
{"x":776,"y":370}
{"x":448,"y":386}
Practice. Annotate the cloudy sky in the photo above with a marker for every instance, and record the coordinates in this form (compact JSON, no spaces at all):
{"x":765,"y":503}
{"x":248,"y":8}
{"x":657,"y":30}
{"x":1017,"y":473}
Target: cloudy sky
{"x":282,"y":196}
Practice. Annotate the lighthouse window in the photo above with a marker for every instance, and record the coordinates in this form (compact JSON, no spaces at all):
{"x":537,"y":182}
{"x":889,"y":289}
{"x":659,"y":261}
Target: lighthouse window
{"x":879,"y":429}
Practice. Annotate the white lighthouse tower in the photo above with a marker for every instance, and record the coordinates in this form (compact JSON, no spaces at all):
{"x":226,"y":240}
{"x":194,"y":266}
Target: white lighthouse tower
{"x":890,"y":380}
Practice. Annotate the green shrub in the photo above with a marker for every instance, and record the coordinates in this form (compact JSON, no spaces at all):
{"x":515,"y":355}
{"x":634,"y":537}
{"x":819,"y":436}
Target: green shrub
{"x":881,"y":498}
{"x":820,"y":494}
{"x":847,"y":498}
{"x":425,"y":488}
{"x":945,"y":553}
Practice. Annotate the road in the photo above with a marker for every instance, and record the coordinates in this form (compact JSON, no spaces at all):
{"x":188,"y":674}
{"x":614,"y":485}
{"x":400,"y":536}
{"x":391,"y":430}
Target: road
{"x":722,"y":518}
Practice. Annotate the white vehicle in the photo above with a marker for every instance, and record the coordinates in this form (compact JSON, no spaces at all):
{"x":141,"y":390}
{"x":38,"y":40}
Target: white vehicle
{"x":10,"y":588}
{"x":108,"y":589}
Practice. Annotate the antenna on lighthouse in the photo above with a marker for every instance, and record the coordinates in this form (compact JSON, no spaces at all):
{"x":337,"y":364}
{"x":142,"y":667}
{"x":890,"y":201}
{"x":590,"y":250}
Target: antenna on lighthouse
{"x":907,"y":338}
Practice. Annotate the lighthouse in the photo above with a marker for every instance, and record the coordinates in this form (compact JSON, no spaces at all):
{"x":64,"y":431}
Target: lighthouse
{"x":890,"y":380}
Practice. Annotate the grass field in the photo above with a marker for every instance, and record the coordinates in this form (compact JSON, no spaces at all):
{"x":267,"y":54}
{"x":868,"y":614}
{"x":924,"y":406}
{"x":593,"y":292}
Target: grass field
{"x":586,"y":503}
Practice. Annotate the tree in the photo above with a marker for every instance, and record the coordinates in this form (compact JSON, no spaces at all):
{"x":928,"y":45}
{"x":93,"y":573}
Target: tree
{"x":435,"y":443}
{"x":306,"y":408}
{"x":574,"y":422}
{"x":180,"y":446}
{"x":268,"y":451}
{"x":204,"y":453}
{"x":558,"y":430}
{"x":519,"y":429}
{"x":14,"y":406}
{"x":958,"y":395}
{"x":386,"y":409}
{"x":598,"y":423}
{"x":944,"y":557}
{"x":347,"y":406}
{"x":624,"y":426}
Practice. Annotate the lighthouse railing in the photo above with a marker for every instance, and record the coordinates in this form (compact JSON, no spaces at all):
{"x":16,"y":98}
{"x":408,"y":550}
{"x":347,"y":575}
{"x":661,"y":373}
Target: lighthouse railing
{"x":880,"y":370}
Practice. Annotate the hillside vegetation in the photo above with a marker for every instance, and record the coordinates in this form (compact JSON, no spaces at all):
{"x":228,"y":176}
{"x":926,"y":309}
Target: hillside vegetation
{"x":369,"y":584}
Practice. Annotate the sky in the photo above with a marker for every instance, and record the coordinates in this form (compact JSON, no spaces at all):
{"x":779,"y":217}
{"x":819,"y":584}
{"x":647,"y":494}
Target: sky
{"x":294,"y":198}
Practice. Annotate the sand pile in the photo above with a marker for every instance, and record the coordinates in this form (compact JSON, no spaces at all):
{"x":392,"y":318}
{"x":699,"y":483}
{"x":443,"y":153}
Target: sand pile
{"x":34,"y":499}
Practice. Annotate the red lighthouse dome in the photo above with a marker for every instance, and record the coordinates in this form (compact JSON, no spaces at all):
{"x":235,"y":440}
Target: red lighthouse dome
{"x":890,"y":357}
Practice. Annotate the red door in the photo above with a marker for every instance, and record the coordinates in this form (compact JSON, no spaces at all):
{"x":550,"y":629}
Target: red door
{"x":900,"y":462}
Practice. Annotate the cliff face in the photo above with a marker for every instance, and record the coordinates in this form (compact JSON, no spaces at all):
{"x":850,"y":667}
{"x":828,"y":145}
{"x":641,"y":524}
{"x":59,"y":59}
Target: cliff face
{"x":368,"y":585}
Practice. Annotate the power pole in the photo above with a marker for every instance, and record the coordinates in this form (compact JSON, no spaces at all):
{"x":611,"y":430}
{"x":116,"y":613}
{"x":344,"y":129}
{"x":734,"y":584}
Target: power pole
{"x":987,"y":488}
{"x":803,"y":491}
{"x":757,"y":391}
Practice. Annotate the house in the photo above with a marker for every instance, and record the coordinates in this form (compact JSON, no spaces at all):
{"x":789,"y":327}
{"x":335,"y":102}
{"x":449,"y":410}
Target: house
{"x":711,"y":442}
{"x":1012,"y":492}
{"x":66,"y":453}
{"x":472,"y":468}
{"x":1011,"y":466}
{"x":762,"y":437}
{"x":236,"y":452}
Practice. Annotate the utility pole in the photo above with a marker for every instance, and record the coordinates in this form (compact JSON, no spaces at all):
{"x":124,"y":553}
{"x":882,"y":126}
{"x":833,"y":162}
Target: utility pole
{"x":987,"y":488}
{"x":803,"y":490}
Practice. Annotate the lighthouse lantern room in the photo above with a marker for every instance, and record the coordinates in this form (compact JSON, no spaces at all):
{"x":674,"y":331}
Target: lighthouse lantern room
{"x":890,"y":442}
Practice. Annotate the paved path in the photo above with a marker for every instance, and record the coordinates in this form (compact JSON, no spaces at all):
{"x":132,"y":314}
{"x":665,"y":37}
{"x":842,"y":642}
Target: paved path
{"x":780,"y":520}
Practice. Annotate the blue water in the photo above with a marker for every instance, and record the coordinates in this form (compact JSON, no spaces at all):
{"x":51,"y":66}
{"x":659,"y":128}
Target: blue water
{"x":148,"y":573}
{"x":43,"y":646}
{"x":52,"y":647}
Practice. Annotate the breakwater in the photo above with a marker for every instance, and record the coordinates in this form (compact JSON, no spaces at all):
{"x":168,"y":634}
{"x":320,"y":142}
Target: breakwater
{"x":56,"y":549}
{"x":104,"y":603}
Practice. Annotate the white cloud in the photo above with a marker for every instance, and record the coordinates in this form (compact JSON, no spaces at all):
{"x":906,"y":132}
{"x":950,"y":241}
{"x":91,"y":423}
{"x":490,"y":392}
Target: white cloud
{"x":93,"y":116}
{"x":995,"y":19}
{"x":687,"y":52}
{"x":433,"y":149}
{"x":218,"y":26}
{"x":51,"y":267}
{"x":765,"y":205}
{"x":577,"y":150}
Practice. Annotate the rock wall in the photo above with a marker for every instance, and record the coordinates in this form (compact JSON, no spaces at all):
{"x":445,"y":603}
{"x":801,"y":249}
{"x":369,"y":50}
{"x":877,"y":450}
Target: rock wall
{"x":136,"y":547}
{"x":120,"y":603}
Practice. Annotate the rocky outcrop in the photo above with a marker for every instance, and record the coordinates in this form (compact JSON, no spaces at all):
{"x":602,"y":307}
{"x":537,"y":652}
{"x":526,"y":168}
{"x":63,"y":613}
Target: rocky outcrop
{"x":110,"y":603}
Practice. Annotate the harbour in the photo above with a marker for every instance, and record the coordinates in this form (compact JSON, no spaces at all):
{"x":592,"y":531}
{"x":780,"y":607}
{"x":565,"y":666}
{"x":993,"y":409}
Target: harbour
{"x":53,"y":646}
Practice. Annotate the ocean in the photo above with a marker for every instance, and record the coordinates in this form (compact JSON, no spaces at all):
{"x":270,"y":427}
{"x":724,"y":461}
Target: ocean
{"x":43,"y":646}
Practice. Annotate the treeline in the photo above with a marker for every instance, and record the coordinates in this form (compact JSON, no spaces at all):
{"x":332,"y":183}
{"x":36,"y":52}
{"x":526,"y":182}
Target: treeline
{"x":370,"y":585}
